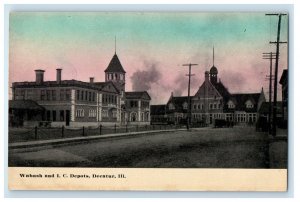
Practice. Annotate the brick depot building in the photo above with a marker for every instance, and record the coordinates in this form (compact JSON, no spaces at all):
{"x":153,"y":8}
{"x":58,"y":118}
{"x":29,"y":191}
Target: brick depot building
{"x":211,"y":101}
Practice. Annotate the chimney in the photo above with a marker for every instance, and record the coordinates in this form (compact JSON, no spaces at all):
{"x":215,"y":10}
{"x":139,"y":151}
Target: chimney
{"x":39,"y":76}
{"x":91,"y":79}
{"x":58,"y":75}
{"x":206,"y":75}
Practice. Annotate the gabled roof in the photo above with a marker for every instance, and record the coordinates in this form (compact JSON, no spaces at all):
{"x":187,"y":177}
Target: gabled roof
{"x":102,"y":85}
{"x":222,"y":89}
{"x":240,"y":99}
{"x":157,"y":109}
{"x":283,"y":77}
{"x":137,"y":95}
{"x":115,"y":65}
{"x":25,"y":105}
{"x":178,"y":103}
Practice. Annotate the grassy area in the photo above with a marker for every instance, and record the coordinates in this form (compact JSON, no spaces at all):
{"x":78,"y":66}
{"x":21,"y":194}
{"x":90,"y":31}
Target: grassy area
{"x":43,"y":133}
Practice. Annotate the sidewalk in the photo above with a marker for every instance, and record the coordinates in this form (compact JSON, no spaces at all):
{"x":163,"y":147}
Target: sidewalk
{"x":278,"y":149}
{"x":38,"y":143}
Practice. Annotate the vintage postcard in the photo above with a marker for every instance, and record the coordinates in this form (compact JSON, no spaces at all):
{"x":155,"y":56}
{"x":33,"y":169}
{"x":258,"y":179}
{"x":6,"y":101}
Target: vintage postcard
{"x":168,"y":101}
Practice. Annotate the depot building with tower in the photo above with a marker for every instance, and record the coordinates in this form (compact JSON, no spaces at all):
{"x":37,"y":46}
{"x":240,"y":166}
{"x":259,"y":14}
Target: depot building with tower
{"x":77,"y":103}
{"x":211,"y":101}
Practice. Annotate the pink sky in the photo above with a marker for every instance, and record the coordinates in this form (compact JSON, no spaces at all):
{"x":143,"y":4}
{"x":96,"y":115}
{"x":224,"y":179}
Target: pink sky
{"x":81,"y":53}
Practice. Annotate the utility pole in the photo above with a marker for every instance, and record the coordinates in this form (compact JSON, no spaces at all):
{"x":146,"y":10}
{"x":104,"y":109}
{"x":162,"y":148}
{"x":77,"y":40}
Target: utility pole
{"x":278,"y":42}
{"x":270,"y":56}
{"x":189,"y":98}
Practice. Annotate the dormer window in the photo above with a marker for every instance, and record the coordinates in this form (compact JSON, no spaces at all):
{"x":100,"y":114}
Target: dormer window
{"x":249,"y":104}
{"x":185,"y":105}
{"x":230,"y":104}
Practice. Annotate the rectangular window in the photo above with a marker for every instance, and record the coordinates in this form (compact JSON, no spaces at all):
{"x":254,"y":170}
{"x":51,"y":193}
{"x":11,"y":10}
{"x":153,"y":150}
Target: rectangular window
{"x":43,"y":94}
{"x":53,"y":94}
{"x":48,"y":116}
{"x":62,"y":115}
{"x":68,"y":94}
{"x":48,"y":94}
{"x":82,"y":95}
{"x":104,"y":113}
{"x":54,"y":115}
{"x":90,"y":96}
{"x":92,"y":113}
{"x":103,"y":98}
{"x":94,"y":97}
{"x":30,"y":94}
{"x":78,"y":94}
{"x":80,"y":113}
{"x":108,"y":98}
{"x":86,"y":95}
{"x":62,"y":94}
{"x":133,"y":104}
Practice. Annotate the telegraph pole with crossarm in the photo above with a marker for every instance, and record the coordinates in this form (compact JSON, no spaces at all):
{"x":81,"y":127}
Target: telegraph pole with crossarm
{"x":270,"y":56}
{"x":278,"y":42}
{"x":189,"y":98}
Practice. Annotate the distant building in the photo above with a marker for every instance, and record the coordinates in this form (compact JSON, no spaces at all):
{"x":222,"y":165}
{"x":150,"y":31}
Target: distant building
{"x":177,"y":108}
{"x":24,"y":112}
{"x":158,"y":114}
{"x":137,"y":107}
{"x":284,"y":90}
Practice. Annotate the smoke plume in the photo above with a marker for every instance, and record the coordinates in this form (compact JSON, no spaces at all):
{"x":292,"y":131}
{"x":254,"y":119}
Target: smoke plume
{"x":142,"y":80}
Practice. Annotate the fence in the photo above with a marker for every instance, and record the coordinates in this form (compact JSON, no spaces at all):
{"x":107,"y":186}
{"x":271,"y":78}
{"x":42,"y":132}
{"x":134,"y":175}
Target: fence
{"x":44,"y":133}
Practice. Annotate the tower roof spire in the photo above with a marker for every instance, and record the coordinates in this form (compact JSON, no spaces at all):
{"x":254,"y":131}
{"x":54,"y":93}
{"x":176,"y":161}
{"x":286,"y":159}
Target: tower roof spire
{"x":213,"y":55}
{"x":115,"y":45}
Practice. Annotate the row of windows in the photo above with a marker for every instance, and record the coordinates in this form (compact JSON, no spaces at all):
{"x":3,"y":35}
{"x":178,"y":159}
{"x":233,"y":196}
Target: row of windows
{"x":109,"y":99}
{"x":80,"y":113}
{"x":232,"y":106}
{"x":219,"y":115}
{"x":93,"y":113}
{"x":52,"y":95}
{"x":115,"y":76}
{"x":85,"y":95}
{"x":211,"y":106}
